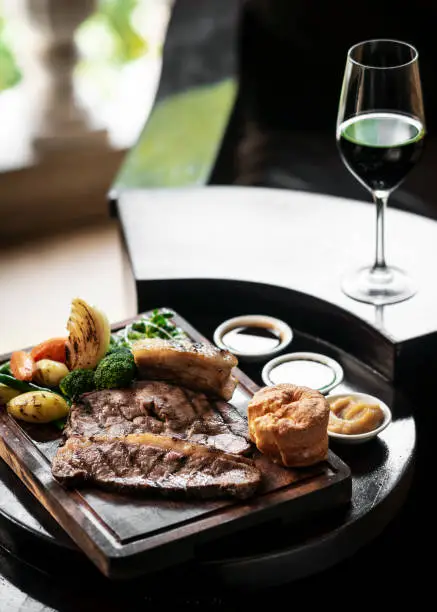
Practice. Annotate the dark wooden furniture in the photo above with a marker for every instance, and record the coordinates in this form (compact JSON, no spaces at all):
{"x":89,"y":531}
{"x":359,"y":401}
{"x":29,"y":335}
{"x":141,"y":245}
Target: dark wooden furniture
{"x":290,"y":239}
{"x":278,"y":552}
{"x":381,"y":478}
{"x":291,"y":255}
{"x":253,"y":88}
{"x":128,"y":536}
{"x":285,"y":260}
{"x":291,"y":65}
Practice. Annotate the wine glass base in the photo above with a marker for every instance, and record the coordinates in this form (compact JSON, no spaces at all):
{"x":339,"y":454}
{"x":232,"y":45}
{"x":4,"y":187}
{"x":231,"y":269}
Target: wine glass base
{"x":378,"y":287}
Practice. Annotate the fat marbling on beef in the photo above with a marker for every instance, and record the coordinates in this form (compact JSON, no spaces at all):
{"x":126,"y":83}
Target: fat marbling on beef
{"x":149,"y":462}
{"x":159,"y":408}
{"x":202,"y":367}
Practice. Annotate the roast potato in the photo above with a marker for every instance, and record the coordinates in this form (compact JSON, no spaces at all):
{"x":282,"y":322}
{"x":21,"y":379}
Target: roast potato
{"x":49,"y":373}
{"x":38,"y":407}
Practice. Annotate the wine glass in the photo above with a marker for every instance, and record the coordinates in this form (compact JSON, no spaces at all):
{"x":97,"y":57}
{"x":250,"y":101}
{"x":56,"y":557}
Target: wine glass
{"x":380,"y":132}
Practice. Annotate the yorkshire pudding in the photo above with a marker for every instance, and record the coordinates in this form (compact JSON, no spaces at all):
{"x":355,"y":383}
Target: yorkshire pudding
{"x":290,"y":424}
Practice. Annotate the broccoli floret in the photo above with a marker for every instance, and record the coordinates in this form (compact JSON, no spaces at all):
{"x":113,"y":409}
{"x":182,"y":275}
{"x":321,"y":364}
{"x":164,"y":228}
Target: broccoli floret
{"x":118,"y":348}
{"x":77,"y":382}
{"x":116,"y":370}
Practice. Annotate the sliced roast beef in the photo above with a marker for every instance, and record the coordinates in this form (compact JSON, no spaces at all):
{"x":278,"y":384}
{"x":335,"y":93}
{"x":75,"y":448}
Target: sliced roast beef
{"x":148,"y":462}
{"x":159,"y":408}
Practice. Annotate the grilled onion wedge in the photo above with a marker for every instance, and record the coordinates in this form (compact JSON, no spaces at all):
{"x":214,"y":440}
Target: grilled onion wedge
{"x":88,"y":336}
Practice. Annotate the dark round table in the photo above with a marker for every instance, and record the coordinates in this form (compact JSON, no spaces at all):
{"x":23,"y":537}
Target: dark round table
{"x":387,"y":521}
{"x":273,"y":554}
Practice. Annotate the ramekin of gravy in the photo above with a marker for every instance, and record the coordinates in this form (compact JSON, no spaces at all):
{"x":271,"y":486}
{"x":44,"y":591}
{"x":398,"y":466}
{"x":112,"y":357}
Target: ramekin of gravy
{"x":253,"y":337}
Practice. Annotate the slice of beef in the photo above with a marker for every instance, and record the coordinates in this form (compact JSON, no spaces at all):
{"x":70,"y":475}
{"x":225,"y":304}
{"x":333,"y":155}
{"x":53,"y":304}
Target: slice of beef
{"x":159,"y":408}
{"x":202,"y":367}
{"x":148,"y":462}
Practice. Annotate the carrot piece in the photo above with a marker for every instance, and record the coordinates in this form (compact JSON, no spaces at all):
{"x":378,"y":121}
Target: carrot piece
{"x":53,"y":349}
{"x":22,"y":365}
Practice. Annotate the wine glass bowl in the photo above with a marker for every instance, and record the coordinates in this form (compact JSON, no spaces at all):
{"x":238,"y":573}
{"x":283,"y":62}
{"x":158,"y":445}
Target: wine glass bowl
{"x":380,"y":132}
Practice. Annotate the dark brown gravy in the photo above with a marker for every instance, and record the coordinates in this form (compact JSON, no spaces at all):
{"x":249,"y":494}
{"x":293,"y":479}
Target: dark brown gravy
{"x":252,"y":339}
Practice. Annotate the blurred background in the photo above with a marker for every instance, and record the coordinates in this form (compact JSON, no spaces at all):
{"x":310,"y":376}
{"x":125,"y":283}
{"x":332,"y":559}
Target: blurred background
{"x":77,"y":82}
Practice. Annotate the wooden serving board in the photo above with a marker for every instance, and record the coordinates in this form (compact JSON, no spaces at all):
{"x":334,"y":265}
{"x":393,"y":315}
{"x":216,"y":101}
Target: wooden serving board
{"x":127,"y":536}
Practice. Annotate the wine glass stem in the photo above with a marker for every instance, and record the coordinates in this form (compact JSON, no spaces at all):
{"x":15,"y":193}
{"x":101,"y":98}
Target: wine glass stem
{"x":380,"y":199}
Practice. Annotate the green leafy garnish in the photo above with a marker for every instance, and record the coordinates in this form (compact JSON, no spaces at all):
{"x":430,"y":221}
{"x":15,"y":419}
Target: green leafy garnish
{"x":158,"y":325}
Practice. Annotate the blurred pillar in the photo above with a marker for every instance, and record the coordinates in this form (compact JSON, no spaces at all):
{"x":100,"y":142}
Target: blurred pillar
{"x":64,"y":125}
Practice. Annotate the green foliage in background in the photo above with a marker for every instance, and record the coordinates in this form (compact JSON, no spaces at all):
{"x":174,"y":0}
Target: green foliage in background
{"x":10,"y":74}
{"x":111,"y":28}
{"x":114,"y":18}
{"x":181,"y":139}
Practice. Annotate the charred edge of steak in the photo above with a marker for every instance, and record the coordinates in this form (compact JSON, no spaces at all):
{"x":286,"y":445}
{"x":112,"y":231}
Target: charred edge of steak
{"x":233,"y":418}
{"x":155,"y":464}
{"x":205,"y":492}
{"x":222,"y":426}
